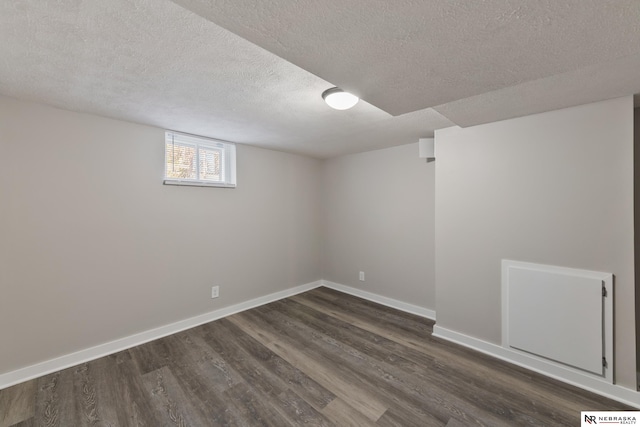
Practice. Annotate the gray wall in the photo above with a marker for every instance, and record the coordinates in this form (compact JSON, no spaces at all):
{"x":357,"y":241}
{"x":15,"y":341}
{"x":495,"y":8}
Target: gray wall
{"x":554,"y":188}
{"x":636,"y":187}
{"x":95,"y":248}
{"x":379,"y":218}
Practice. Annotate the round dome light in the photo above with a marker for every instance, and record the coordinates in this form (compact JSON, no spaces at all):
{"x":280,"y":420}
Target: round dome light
{"x":339,"y":99}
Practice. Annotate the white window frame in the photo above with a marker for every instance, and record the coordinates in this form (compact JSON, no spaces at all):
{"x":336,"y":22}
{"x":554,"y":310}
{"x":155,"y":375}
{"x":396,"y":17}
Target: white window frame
{"x":228,"y":163}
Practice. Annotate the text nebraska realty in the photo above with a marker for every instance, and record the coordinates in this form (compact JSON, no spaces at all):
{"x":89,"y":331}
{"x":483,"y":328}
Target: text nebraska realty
{"x":610,"y":419}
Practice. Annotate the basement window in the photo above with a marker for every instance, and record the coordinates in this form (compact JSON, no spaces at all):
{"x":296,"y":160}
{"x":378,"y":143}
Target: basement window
{"x":194,"y":160}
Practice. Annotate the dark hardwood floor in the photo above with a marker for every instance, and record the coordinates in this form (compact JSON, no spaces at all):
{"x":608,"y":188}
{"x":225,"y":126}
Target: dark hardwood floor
{"x":321,"y":358}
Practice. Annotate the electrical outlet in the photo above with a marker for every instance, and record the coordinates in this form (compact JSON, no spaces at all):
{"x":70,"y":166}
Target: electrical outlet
{"x":361,"y":277}
{"x":215,"y":291}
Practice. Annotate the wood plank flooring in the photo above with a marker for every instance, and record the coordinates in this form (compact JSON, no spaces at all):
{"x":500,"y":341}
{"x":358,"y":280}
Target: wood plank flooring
{"x":321,"y":358}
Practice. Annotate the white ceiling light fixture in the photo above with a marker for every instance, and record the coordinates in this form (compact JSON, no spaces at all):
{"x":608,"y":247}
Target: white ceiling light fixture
{"x":338,"y":99}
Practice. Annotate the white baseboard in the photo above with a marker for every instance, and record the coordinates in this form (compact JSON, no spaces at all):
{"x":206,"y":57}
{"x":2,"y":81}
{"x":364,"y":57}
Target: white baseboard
{"x":34,"y":371}
{"x":599,"y":386}
{"x":624,"y":395}
{"x":389,"y":302}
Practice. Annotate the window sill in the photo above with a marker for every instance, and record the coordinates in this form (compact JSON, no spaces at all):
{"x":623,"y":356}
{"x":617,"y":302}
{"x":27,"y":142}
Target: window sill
{"x":198,"y":183}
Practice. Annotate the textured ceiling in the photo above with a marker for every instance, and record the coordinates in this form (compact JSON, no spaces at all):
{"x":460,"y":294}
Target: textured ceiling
{"x":252,"y":71}
{"x":407,"y":55}
{"x":156,"y":63}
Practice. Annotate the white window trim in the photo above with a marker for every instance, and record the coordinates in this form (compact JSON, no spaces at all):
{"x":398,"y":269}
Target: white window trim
{"x":196,"y":183}
{"x":229,"y":166}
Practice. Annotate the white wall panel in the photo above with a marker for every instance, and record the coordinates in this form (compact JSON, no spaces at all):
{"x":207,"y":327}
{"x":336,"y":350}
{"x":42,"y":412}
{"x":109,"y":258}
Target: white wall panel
{"x":558,"y":313}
